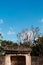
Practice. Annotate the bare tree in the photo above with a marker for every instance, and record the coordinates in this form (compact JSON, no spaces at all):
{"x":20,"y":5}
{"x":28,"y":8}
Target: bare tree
{"x":36,"y":34}
{"x":24,"y":36}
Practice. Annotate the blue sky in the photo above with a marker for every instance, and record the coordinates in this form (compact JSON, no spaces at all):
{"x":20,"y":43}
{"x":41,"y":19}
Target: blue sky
{"x":16,"y":15}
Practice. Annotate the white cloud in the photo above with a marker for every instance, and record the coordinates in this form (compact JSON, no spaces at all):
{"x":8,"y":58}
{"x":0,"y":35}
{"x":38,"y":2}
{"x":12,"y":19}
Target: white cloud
{"x":11,"y":32}
{"x":11,"y":28}
{"x":42,"y":20}
{"x":1,"y":21}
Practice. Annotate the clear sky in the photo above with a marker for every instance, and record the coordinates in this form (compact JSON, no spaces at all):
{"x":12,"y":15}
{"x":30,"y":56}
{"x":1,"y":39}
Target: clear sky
{"x":16,"y":15}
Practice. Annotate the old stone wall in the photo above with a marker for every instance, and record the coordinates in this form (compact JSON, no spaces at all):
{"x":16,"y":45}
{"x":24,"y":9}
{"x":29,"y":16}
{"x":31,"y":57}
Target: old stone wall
{"x":37,"y":60}
{"x":2,"y":60}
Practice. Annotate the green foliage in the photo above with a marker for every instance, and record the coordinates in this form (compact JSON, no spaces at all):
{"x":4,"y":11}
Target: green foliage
{"x":37,"y":49}
{"x":5,"y":43}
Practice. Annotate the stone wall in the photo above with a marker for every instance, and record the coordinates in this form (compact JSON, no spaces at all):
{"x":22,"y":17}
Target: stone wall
{"x":2,"y":60}
{"x":37,"y":60}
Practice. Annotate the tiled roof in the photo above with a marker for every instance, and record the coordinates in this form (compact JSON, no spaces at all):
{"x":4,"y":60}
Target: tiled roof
{"x":17,"y":49}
